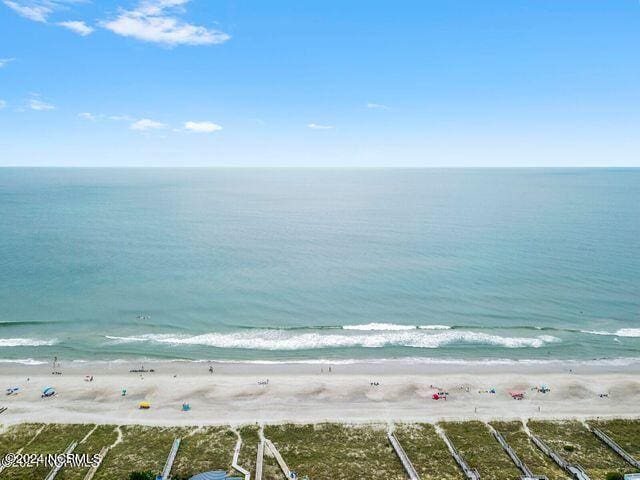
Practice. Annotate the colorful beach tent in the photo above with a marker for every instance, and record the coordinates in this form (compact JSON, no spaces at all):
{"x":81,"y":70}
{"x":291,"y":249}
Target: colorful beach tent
{"x":48,"y":392}
{"x":144,"y":405}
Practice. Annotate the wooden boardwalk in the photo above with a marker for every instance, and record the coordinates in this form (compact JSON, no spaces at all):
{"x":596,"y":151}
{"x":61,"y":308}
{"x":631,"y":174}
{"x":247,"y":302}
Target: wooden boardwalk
{"x":236,"y":454}
{"x":54,"y":471}
{"x":279,"y":459}
{"x":576,"y":471}
{"x":166,"y":472}
{"x":259,"y":460}
{"x":528,"y":474}
{"x":470,"y":473}
{"x":402,"y":455}
{"x":615,"y":447}
{"x":92,"y":471}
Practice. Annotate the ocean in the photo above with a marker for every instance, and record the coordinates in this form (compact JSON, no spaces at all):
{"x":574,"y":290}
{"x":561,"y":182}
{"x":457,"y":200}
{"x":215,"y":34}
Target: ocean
{"x":319,"y":264}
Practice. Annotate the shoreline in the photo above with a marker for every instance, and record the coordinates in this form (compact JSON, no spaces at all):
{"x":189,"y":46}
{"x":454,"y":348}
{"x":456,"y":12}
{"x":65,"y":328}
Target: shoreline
{"x":242,"y":393}
{"x":603,"y":363}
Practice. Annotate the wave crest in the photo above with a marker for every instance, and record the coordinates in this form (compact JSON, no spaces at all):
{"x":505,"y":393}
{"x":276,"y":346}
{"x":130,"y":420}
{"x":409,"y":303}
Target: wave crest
{"x":283,"y":340}
{"x":25,"y":342}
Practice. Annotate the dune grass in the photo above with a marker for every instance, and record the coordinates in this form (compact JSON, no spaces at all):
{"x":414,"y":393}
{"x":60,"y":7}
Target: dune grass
{"x":625,"y":433}
{"x":17,"y":436}
{"x":329,"y":450}
{"x":336,"y":451}
{"x":54,"y":438}
{"x":102,"y":436}
{"x":576,"y":444}
{"x":208,"y":448}
{"x":481,"y":450}
{"x":141,"y":449}
{"x":532,"y":456}
{"x":249,"y":450}
{"x":427,"y":451}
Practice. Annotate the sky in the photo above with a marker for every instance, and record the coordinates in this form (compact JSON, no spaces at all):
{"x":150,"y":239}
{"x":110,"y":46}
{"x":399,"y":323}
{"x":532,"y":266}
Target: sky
{"x":320,"y":83}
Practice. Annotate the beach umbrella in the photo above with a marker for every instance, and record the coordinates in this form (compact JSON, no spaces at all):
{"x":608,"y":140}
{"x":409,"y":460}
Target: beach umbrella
{"x":144,"y":405}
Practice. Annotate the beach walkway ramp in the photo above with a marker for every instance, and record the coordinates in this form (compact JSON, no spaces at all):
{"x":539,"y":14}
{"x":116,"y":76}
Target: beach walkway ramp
{"x":92,"y":471}
{"x":606,"y":439}
{"x":278,"y":457}
{"x":470,"y":473}
{"x":236,"y":454}
{"x":527,"y":473}
{"x":166,"y":471}
{"x":54,"y":471}
{"x":259,"y":460}
{"x":576,"y":471}
{"x":404,"y":458}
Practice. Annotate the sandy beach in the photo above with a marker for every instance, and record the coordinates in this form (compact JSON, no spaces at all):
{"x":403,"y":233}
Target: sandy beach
{"x":247,"y":393}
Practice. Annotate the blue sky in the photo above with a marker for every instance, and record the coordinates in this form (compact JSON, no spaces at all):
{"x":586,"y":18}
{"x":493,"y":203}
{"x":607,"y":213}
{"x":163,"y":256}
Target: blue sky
{"x":320,"y":83}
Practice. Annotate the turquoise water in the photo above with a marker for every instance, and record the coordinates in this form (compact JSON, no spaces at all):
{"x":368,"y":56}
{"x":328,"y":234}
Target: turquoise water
{"x":290,"y":264}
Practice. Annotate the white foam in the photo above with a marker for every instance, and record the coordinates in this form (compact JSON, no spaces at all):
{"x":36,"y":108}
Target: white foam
{"x":285,"y":340}
{"x":623,"y":332}
{"x":23,"y":361}
{"x":596,"y":332}
{"x":373,"y":327}
{"x":391,"y":327}
{"x":25,"y":342}
{"x":628,"y":332}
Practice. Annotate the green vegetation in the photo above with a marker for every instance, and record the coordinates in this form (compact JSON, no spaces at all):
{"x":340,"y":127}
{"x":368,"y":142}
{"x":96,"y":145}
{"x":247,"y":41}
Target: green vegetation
{"x":481,"y":450}
{"x":427,"y":451}
{"x":586,"y":450}
{"x":148,"y":475}
{"x":615,"y":476}
{"x":249,"y":450}
{"x":102,"y":436}
{"x":53,"y":438}
{"x":327,"y":450}
{"x":336,"y":451}
{"x":17,"y":436}
{"x":208,"y":448}
{"x":532,"y":456}
{"x":142,"y":449}
{"x":625,"y":433}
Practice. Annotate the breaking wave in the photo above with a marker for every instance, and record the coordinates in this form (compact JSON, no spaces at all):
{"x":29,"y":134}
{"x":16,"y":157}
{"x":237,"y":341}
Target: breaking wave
{"x":25,"y":342}
{"x":368,"y":327}
{"x":623,"y":332}
{"x":285,"y":340}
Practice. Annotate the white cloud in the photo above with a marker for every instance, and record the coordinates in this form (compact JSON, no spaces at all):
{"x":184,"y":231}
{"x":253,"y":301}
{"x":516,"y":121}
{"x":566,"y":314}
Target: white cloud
{"x":2,"y":104}
{"x":89,"y":116}
{"x":146,"y":124}
{"x":79,"y":27}
{"x":202,"y":127}
{"x":155,"y":21}
{"x":35,"y":103}
{"x":5,"y":61}
{"x":315,"y":126}
{"x":377,"y":106}
{"x":36,"y":11}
